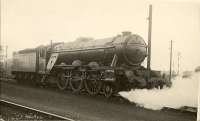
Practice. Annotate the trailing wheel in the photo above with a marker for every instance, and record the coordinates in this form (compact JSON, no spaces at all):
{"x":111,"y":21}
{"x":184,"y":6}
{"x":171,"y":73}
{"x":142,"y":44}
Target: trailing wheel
{"x":63,"y":80}
{"x":38,"y":78}
{"x":77,"y":80}
{"x":93,"y":85}
{"x":107,"y":90}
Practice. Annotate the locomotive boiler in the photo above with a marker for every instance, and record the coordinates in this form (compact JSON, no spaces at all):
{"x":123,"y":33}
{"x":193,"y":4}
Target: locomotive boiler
{"x":130,"y":49}
{"x":97,"y":66}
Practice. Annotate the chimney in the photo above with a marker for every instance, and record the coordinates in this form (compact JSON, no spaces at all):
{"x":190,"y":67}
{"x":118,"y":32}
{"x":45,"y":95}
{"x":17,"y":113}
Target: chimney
{"x":125,"y":33}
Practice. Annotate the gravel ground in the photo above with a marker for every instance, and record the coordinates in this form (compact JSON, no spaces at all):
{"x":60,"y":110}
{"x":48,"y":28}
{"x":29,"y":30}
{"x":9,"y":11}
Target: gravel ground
{"x":86,"y":108}
{"x":13,"y":113}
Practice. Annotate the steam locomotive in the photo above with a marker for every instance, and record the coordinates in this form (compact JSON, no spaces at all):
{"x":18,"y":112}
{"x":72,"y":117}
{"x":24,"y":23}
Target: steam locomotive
{"x":104,"y":66}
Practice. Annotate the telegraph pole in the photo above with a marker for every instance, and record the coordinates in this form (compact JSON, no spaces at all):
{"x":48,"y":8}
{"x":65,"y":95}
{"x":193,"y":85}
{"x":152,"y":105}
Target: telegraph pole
{"x":173,"y":66}
{"x":51,"y":45}
{"x":149,"y":43}
{"x":6,"y":58}
{"x":179,"y":55}
{"x":170,"y":66}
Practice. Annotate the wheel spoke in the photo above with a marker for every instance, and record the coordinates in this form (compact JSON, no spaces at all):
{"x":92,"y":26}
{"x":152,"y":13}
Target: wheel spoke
{"x":76,"y":83}
{"x":62,"y":82}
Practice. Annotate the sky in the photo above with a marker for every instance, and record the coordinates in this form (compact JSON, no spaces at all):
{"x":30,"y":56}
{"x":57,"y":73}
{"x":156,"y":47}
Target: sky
{"x":30,"y":23}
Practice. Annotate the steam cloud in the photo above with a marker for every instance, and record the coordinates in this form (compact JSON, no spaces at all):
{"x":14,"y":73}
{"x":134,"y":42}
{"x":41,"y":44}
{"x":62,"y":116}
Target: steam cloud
{"x":184,"y":92}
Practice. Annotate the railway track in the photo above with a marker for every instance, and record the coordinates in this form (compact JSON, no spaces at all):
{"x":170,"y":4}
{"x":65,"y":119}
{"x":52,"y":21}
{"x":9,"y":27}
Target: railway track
{"x":85,"y":107}
{"x":121,"y":99}
{"x":26,"y":111}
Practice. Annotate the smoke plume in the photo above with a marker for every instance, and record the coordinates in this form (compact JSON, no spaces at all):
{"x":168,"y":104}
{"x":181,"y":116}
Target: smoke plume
{"x":184,"y":92}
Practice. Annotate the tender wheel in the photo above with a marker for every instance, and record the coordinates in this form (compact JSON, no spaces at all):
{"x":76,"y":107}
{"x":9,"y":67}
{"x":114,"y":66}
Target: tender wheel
{"x":26,"y":78}
{"x":32,"y":79}
{"x":18,"y":77}
{"x":63,"y":80}
{"x":76,"y":82}
{"x":93,"y":86}
{"x":108,"y":90}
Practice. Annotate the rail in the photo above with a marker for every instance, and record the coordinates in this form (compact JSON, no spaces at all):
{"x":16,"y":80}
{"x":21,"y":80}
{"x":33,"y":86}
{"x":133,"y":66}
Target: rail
{"x":37,"y":110}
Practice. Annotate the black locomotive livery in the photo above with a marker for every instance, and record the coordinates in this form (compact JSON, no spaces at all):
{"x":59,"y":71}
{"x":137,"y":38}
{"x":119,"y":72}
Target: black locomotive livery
{"x":98,"y":66}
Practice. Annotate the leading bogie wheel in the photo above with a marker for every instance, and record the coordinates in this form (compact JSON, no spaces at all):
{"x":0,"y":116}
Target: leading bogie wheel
{"x":108,"y":90}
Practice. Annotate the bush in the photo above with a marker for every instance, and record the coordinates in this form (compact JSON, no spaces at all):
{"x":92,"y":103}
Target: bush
{"x":197,"y":69}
